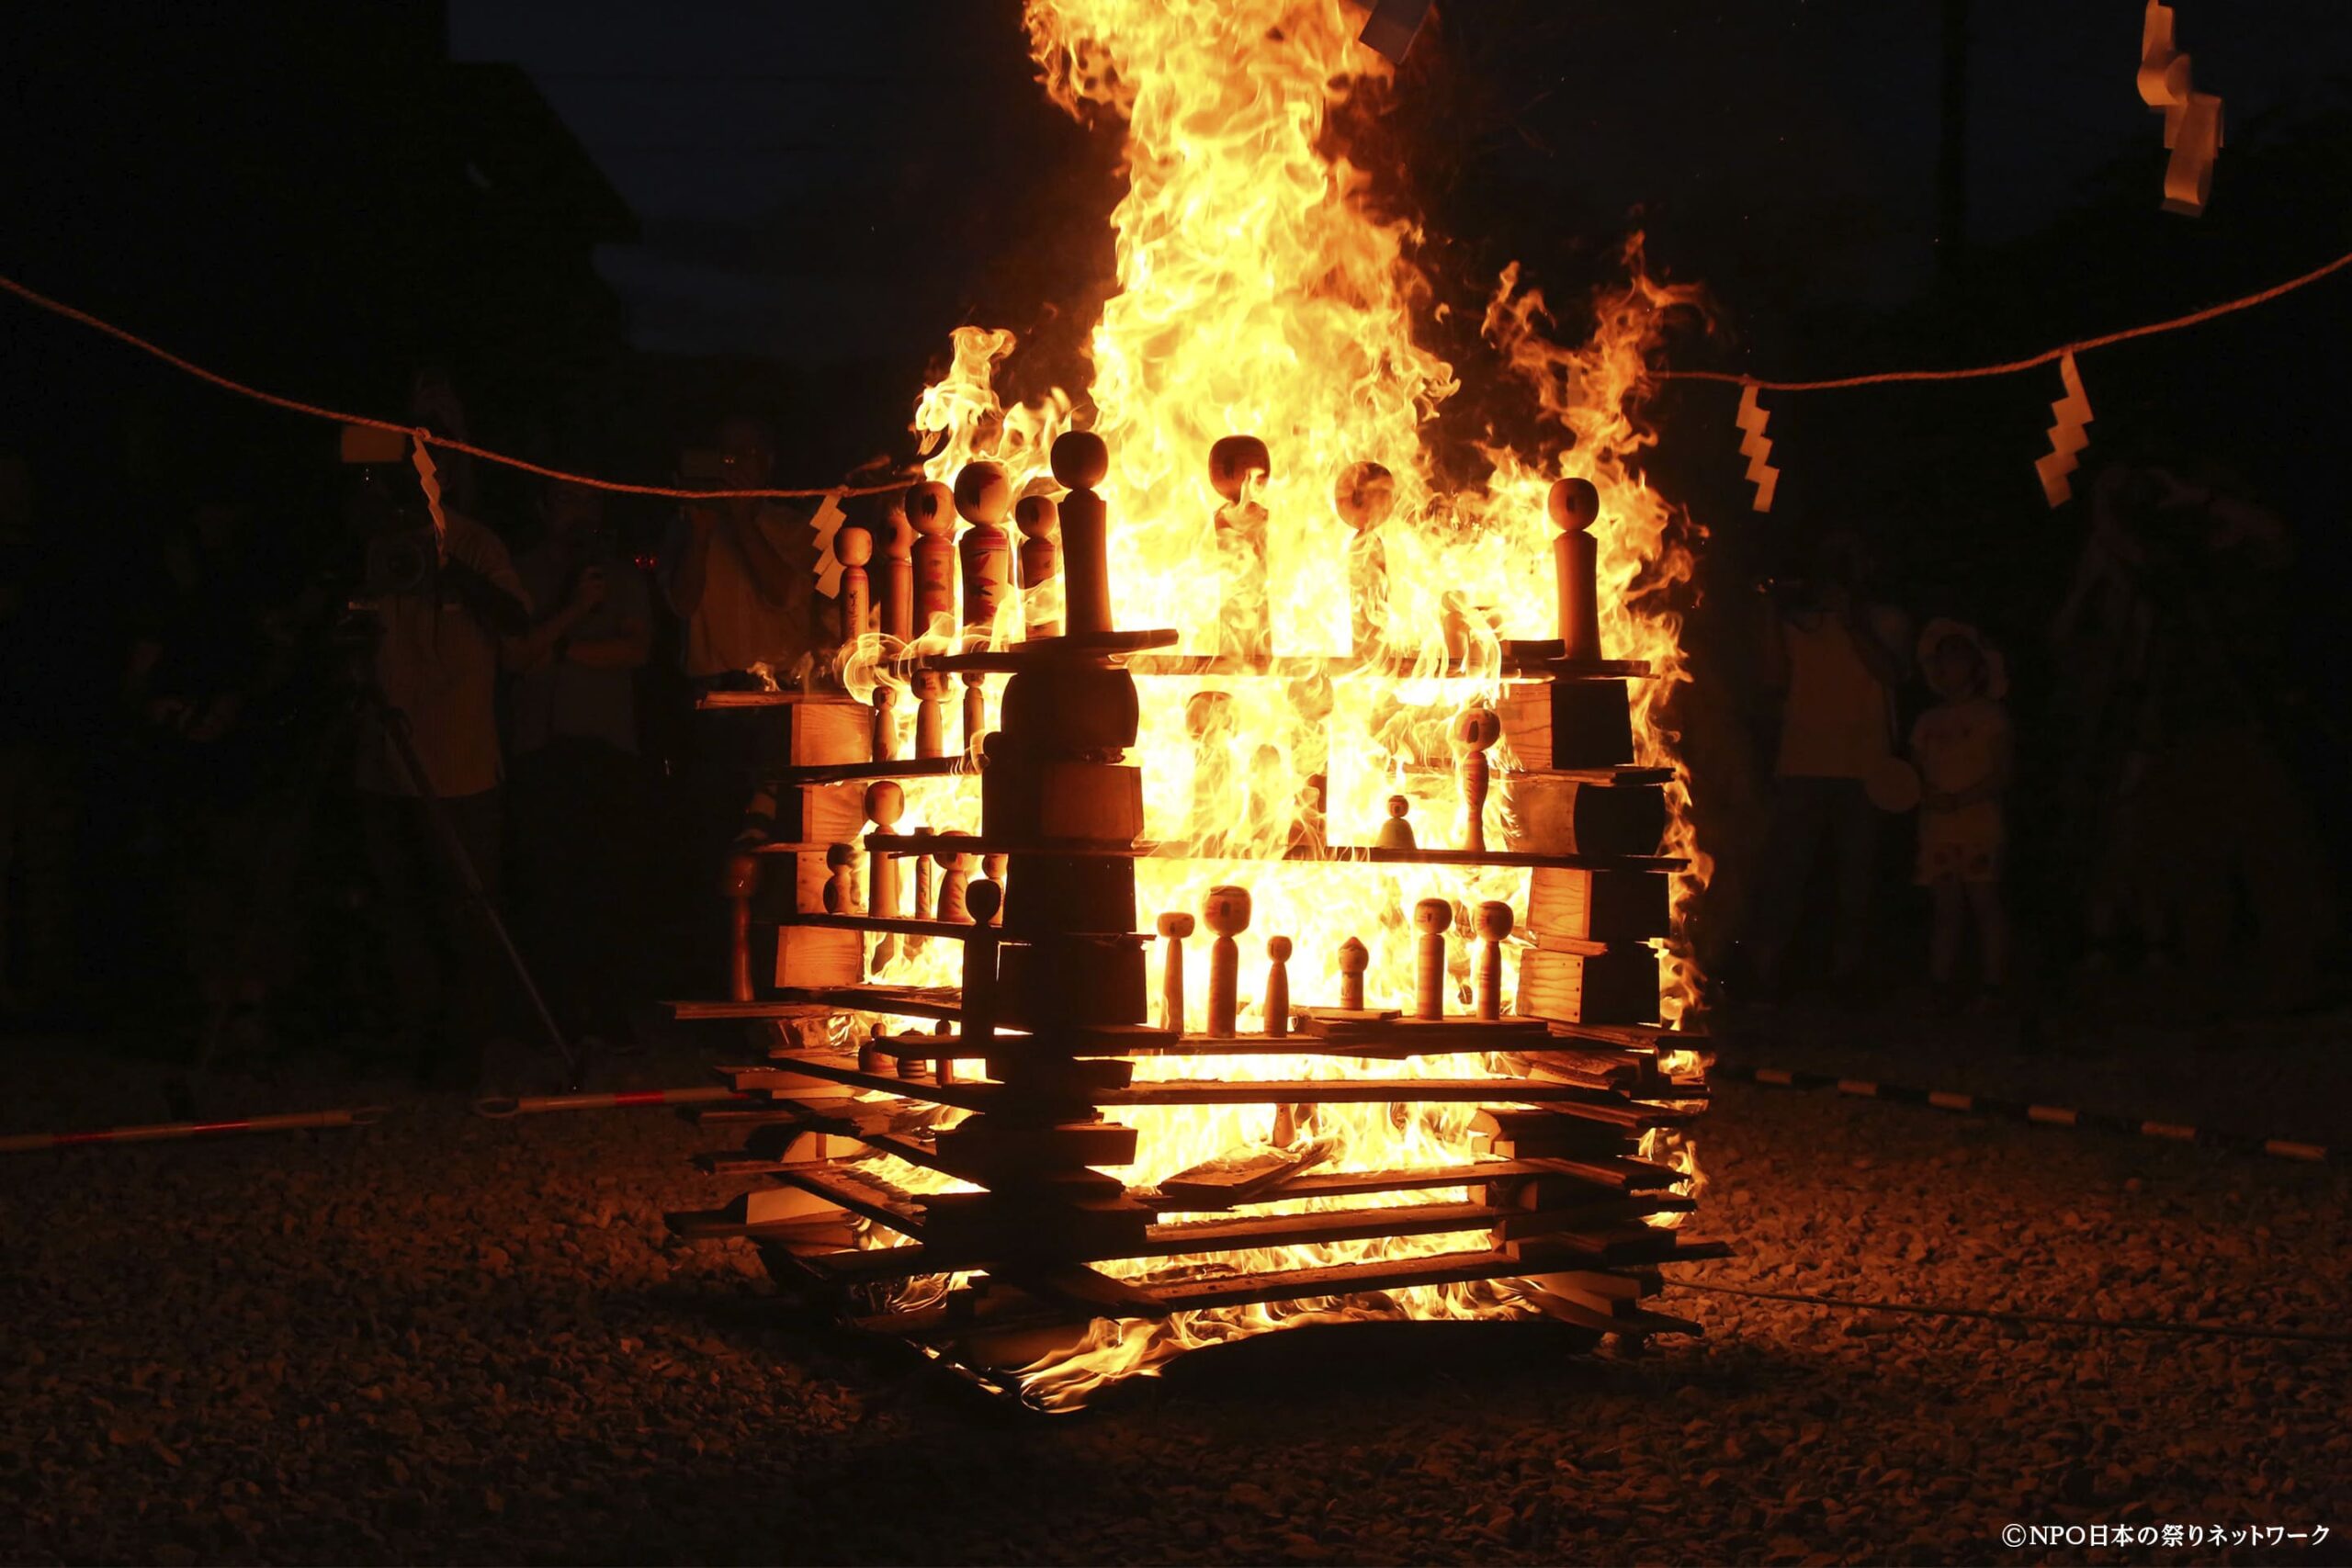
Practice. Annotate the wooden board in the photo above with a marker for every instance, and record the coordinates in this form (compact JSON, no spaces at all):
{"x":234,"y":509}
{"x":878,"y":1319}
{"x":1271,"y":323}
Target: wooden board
{"x":1601,"y":985}
{"x":1598,"y":906}
{"x":902,"y":768}
{"x":1558,"y":813}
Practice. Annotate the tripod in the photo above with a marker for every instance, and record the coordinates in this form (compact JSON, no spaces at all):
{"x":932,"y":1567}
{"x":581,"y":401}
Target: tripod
{"x":368,"y":704}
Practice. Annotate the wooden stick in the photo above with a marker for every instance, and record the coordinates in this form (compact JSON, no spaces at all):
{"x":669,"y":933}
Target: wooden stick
{"x":1080,"y":461}
{"x":1475,"y":729}
{"x":1354,"y":959}
{"x":1277,"y":1005}
{"x":1238,"y":466}
{"x":930,"y":511}
{"x":1573,"y":507}
{"x":855,"y":549}
{"x":1039,"y":521}
{"x":983,"y":900}
{"x":1431,"y":916}
{"x":742,"y":881}
{"x":922,"y":882}
{"x":1227,"y":912}
{"x":1494,"y":924}
{"x":1174,"y":927}
{"x":886,"y":802}
{"x":1365,"y":496}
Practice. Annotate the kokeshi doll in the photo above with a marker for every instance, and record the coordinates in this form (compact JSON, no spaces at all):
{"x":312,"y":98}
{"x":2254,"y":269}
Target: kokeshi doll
{"x":1238,"y":468}
{"x":899,"y":576}
{"x":985,"y":900}
{"x":1277,"y":1004}
{"x":955,"y":872}
{"x":1431,"y":916}
{"x":1396,"y":833}
{"x":841,"y":880}
{"x":1475,"y":729}
{"x":931,"y":713}
{"x":930,"y":512}
{"x":1354,"y":959}
{"x":885,"y":803}
{"x":1039,"y":521}
{"x":1365,"y":496}
{"x":885,"y":723}
{"x":854,"y":547}
{"x":1225,"y":911}
{"x":1080,"y":461}
{"x":1574,"y":506}
{"x":984,"y":500}
{"x":1174,"y":927}
{"x":1494,"y":924}
{"x":993,"y":867}
{"x":742,"y":881}
{"x":976,"y":708}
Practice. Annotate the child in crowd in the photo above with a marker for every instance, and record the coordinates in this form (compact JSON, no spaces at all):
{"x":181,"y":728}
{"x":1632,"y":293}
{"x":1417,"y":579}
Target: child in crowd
{"x":1962,"y":746}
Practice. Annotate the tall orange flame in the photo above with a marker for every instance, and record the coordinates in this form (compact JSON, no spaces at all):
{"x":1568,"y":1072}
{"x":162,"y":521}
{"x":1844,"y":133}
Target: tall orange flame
{"x":1259,"y":296}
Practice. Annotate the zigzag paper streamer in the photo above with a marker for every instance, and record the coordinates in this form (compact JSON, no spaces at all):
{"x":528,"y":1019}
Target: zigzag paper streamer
{"x":2067,"y":437}
{"x":827,"y":525}
{"x":2192,"y":119}
{"x":1756,"y":450}
{"x":430,"y":478}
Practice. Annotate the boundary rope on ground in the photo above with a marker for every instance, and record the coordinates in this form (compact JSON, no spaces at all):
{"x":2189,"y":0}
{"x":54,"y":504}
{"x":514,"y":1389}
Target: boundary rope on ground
{"x":2025,"y":1110}
{"x":449,"y":444}
{"x":2010,"y":367}
{"x":2051,"y":1319}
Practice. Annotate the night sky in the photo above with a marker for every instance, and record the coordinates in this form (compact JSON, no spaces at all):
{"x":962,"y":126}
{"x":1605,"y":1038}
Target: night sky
{"x":807,"y":174}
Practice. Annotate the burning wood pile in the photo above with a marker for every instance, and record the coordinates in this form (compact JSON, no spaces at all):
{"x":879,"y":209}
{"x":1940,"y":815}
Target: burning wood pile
{"x":1037,"y":1175}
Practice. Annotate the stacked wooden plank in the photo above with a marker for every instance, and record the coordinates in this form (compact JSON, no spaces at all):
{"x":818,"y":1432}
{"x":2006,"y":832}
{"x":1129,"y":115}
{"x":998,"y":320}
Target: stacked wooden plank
{"x":976,"y":1185}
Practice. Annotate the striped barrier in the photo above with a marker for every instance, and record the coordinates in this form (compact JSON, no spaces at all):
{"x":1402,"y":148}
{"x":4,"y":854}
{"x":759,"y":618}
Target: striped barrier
{"x":499,"y":1107}
{"x":358,"y":1116}
{"x":2025,"y":1110}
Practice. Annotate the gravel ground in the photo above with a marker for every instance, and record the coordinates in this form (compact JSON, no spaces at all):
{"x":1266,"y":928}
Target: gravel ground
{"x":444,"y":1339}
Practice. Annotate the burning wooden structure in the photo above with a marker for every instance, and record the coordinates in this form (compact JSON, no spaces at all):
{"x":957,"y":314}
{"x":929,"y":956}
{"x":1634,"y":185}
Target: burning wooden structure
{"x":982,"y":1136}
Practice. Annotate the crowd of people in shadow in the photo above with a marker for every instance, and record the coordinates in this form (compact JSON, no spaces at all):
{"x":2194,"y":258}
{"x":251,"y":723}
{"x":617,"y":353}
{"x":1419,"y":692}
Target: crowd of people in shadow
{"x":265,"y":779}
{"x":276,"y":783}
{"x":2165,"y":834}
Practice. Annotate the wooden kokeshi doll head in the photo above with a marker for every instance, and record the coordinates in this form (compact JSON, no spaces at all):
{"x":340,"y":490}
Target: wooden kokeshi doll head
{"x":1226,"y":910}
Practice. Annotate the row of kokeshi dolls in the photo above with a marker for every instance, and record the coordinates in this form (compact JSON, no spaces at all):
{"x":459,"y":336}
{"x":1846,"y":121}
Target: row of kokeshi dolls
{"x":1225,"y":911}
{"x":1066,"y":540}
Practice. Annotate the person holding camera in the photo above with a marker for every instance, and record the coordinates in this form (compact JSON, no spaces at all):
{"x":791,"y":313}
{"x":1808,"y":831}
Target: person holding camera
{"x":1837,"y":658}
{"x":741,"y":574}
{"x":575,"y":786}
{"x":440,"y":595}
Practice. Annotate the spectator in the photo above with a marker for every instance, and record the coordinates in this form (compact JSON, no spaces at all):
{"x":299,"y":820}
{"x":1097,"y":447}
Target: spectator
{"x":1839,"y":657}
{"x":576,"y":789}
{"x":198,"y":662}
{"x":1963,"y":748}
{"x":40,"y":727}
{"x":440,"y":603}
{"x":741,"y":574}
